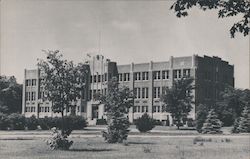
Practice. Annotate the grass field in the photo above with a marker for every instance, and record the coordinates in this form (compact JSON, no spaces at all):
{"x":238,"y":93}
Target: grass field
{"x":238,"y":147}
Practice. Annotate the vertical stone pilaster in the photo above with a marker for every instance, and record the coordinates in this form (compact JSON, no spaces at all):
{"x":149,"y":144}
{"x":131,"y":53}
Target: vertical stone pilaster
{"x":24,"y":94}
{"x":150,"y":89}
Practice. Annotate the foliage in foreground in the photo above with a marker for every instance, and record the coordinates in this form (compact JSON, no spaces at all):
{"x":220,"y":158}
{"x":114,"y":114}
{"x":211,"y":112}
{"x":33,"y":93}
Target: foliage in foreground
{"x":212,"y":124}
{"x":225,"y":8}
{"x":117,"y":102}
{"x":58,"y":141}
{"x":145,"y":123}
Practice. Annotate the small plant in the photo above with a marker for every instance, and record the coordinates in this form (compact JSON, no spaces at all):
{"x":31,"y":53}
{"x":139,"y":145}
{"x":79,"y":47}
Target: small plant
{"x":200,"y":139}
{"x":58,"y":141}
{"x":145,"y":123}
{"x":146,"y":149}
{"x":227,"y":140}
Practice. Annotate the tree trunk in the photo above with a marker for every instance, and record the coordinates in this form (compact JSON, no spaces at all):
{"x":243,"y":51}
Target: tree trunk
{"x":62,"y":131}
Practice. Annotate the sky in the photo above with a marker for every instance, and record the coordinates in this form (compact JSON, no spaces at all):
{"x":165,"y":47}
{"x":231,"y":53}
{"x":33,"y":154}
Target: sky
{"x":124,"y":31}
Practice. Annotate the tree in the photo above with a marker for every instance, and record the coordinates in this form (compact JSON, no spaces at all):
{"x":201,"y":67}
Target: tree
{"x":212,"y":124}
{"x":117,"y":102}
{"x":226,"y":8}
{"x":145,"y":123}
{"x":244,"y":122}
{"x":178,"y":99}
{"x":201,"y":115}
{"x":231,"y":104}
{"x":10,"y":95}
{"x":62,"y":82}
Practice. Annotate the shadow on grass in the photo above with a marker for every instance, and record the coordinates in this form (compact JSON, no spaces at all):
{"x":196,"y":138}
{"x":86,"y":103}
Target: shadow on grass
{"x":141,"y":143}
{"x":90,"y":150}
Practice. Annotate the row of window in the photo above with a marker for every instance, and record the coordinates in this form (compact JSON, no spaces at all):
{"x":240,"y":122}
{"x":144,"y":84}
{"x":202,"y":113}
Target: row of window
{"x":144,"y":109}
{"x":30,"y":109}
{"x":140,"y":109}
{"x":95,"y":91}
{"x":30,"y":96}
{"x":141,"y":92}
{"x":181,"y":73}
{"x":30,"y":82}
{"x":157,"y":75}
{"x":44,"y":109}
{"x":99,"y":78}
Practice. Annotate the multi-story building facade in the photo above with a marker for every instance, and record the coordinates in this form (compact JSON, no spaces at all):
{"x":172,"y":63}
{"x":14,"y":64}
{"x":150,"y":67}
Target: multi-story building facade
{"x":147,"y":80}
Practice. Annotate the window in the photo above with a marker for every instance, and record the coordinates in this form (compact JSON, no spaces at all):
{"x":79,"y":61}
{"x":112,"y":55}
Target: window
{"x":137,"y":92}
{"x":177,"y":73}
{"x":105,"y":77}
{"x":99,"y":78}
{"x":33,"y":82}
{"x":126,"y":77}
{"x":27,"y":82}
{"x":95,"y":78}
{"x":120,"y":76}
{"x":144,"y":75}
{"x":154,"y":108}
{"x":144,"y":109}
{"x":137,"y":76}
{"x":165,"y":74}
{"x":91,"y":79}
{"x":157,"y":92}
{"x":145,"y":92}
{"x":157,"y":75}
{"x":33,"y":96}
{"x":186,"y":73}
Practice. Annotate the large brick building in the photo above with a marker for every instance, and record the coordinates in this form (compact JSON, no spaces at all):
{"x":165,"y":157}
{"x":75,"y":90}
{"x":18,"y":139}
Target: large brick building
{"x":147,"y":80}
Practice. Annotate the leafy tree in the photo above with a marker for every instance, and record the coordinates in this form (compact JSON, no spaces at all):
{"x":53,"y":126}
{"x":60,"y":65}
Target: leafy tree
{"x":212,"y":124}
{"x":10,"y":95}
{"x":117,"y":102}
{"x":62,"y":81}
{"x":225,"y":8}
{"x":178,"y":99}
{"x":145,"y":123}
{"x":201,"y":115}
{"x":231,"y":104}
{"x":32,"y":122}
{"x":244,"y":122}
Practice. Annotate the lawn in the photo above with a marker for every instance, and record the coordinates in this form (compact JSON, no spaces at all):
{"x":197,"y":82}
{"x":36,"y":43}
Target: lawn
{"x":236,"y":147}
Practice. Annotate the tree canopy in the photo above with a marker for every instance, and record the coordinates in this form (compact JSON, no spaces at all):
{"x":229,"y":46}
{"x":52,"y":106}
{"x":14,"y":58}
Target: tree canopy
{"x":62,"y":81}
{"x":10,"y":95}
{"x":178,"y":99}
{"x":225,"y":8}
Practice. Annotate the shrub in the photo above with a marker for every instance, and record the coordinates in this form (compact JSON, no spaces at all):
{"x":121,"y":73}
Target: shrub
{"x":145,"y":123}
{"x":4,"y":122}
{"x":101,"y":122}
{"x":16,"y":121}
{"x":32,"y":123}
{"x":212,"y":124}
{"x":244,"y":122}
{"x":58,"y":141}
{"x":201,"y":114}
{"x":44,"y":123}
{"x":117,"y":130}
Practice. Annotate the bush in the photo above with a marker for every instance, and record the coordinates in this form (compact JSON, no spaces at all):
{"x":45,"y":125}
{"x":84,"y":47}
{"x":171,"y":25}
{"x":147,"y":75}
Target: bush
{"x":212,"y":124}
{"x":4,"y":122}
{"x":58,"y":141}
{"x":16,"y":121}
{"x":101,"y":122}
{"x":117,"y":130}
{"x":145,"y":123}
{"x":70,"y":122}
{"x":32,"y":123}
